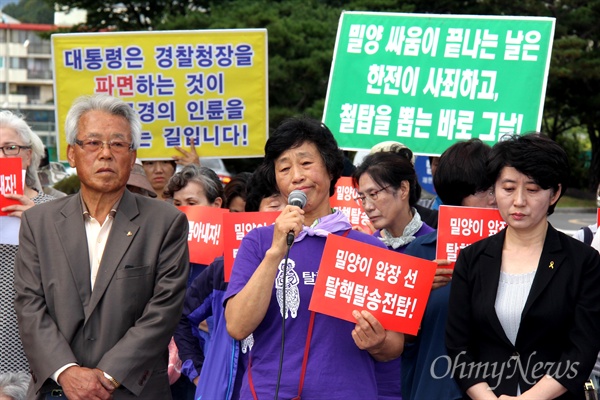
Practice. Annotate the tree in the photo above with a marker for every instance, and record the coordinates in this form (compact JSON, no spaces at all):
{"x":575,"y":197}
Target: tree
{"x":302,"y":34}
{"x":31,"y":11}
{"x":573,"y":89}
{"x":118,"y":15}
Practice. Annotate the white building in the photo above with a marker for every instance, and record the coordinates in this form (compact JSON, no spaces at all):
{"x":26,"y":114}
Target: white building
{"x":26,"y":84}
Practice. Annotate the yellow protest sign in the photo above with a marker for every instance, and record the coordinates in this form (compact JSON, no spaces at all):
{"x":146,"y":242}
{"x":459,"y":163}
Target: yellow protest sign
{"x":208,"y":86}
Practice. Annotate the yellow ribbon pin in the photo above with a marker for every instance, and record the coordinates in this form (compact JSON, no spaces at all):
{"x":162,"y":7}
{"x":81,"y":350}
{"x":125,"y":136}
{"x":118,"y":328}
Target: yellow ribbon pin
{"x":551,"y":266}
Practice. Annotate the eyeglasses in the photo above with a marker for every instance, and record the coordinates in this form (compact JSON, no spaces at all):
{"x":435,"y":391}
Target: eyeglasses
{"x":362,"y":198}
{"x":115,"y":146}
{"x":13,"y":149}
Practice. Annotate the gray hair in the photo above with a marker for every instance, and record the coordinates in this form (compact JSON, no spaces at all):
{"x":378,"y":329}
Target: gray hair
{"x":108,"y":104}
{"x":18,"y":124}
{"x":204,"y":176}
{"x":14,"y":385}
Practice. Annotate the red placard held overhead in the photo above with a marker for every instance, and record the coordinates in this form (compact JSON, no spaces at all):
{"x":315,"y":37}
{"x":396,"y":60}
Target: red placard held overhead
{"x":459,"y":227}
{"x":235,"y":227}
{"x":11,"y":180}
{"x":353,"y":275}
{"x":205,"y":239}
{"x":343,"y":200}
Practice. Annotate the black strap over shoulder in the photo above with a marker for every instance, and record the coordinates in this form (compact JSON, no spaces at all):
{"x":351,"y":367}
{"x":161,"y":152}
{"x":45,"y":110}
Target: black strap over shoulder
{"x":588,"y":236}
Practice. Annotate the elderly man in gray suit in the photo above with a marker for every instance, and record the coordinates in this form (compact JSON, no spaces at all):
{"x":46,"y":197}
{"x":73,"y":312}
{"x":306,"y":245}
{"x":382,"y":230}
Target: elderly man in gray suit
{"x":100,"y":275}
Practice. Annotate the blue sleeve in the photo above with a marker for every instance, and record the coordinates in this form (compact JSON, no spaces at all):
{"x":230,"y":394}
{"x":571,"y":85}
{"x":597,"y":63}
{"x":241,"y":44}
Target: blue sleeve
{"x":197,"y":307}
{"x":423,"y":247}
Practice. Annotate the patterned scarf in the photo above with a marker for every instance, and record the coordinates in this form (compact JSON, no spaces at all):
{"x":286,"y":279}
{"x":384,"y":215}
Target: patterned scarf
{"x":407,"y":236}
{"x":324,"y":226}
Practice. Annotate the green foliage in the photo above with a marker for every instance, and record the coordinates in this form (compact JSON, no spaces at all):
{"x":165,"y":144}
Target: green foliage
{"x":575,"y":149}
{"x":31,"y":11}
{"x":301,"y":36}
{"x":121,"y":15}
{"x":572,"y":202}
{"x":68,"y":185}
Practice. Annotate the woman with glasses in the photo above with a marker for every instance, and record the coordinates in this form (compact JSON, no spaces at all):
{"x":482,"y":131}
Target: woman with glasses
{"x":17,"y":140}
{"x":386,"y":183}
{"x":460,"y":180}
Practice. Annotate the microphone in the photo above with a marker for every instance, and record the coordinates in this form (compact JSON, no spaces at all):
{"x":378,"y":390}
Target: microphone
{"x":296,"y":198}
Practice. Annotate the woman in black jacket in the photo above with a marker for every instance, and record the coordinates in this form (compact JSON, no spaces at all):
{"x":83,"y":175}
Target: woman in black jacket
{"x":524,"y":318}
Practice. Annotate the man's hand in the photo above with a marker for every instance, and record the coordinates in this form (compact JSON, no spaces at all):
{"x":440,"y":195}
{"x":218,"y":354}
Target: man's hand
{"x":187,"y":157}
{"x":79,"y":383}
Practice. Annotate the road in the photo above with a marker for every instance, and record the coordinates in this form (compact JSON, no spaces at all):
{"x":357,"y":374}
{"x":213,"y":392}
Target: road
{"x":570,"y":221}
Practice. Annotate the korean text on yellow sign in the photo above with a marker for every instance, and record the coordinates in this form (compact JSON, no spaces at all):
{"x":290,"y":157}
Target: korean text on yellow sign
{"x":206,"y":87}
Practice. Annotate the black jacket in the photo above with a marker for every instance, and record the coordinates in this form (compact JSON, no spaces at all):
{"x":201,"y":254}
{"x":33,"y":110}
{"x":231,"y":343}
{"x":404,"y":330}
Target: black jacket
{"x":559,"y":333}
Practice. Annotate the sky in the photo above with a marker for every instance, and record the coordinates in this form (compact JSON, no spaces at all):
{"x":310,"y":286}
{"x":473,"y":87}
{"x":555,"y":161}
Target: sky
{"x":5,"y":2}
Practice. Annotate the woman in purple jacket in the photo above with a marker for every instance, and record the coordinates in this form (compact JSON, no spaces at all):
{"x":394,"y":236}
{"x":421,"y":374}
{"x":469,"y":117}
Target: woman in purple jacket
{"x":268,"y":298}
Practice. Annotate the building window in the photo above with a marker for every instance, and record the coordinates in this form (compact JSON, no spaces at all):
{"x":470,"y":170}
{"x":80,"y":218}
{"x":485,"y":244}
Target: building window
{"x":37,"y":45}
{"x":32,"y":92}
{"x":18,"y":36}
{"x":39,"y":68}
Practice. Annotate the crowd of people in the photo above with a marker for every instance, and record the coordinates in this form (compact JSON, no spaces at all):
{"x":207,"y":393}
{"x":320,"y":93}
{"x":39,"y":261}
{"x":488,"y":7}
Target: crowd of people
{"x":100,"y":301}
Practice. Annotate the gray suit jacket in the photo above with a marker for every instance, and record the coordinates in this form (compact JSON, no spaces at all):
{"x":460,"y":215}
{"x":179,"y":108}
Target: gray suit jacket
{"x":124,"y":325}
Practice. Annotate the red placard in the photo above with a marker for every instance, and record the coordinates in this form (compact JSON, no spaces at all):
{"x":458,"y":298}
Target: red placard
{"x":343,"y":200}
{"x":11,"y":180}
{"x":236,"y":226}
{"x":598,"y":217}
{"x":205,"y":239}
{"x":459,"y":227}
{"x":353,"y":275}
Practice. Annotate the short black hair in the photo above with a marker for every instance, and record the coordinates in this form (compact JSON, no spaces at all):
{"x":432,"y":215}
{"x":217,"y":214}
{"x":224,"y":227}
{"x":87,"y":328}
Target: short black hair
{"x":259,"y":187}
{"x":535,"y":155}
{"x":236,"y":188}
{"x":461,"y":171}
{"x":294,"y":132}
{"x":390,"y":168}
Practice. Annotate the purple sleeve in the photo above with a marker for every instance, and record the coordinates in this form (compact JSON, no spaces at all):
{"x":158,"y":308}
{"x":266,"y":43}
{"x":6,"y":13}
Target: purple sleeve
{"x":249,"y":256}
{"x":188,"y":369}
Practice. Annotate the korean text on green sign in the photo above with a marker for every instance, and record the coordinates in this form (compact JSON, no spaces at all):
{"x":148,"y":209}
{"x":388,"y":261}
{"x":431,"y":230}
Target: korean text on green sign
{"x":431,"y":80}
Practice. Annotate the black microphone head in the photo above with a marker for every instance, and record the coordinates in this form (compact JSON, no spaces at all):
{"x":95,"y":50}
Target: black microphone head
{"x":297,"y":198}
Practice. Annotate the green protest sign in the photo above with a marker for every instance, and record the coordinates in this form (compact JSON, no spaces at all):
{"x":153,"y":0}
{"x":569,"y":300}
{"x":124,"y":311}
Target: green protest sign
{"x":429,"y":81}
